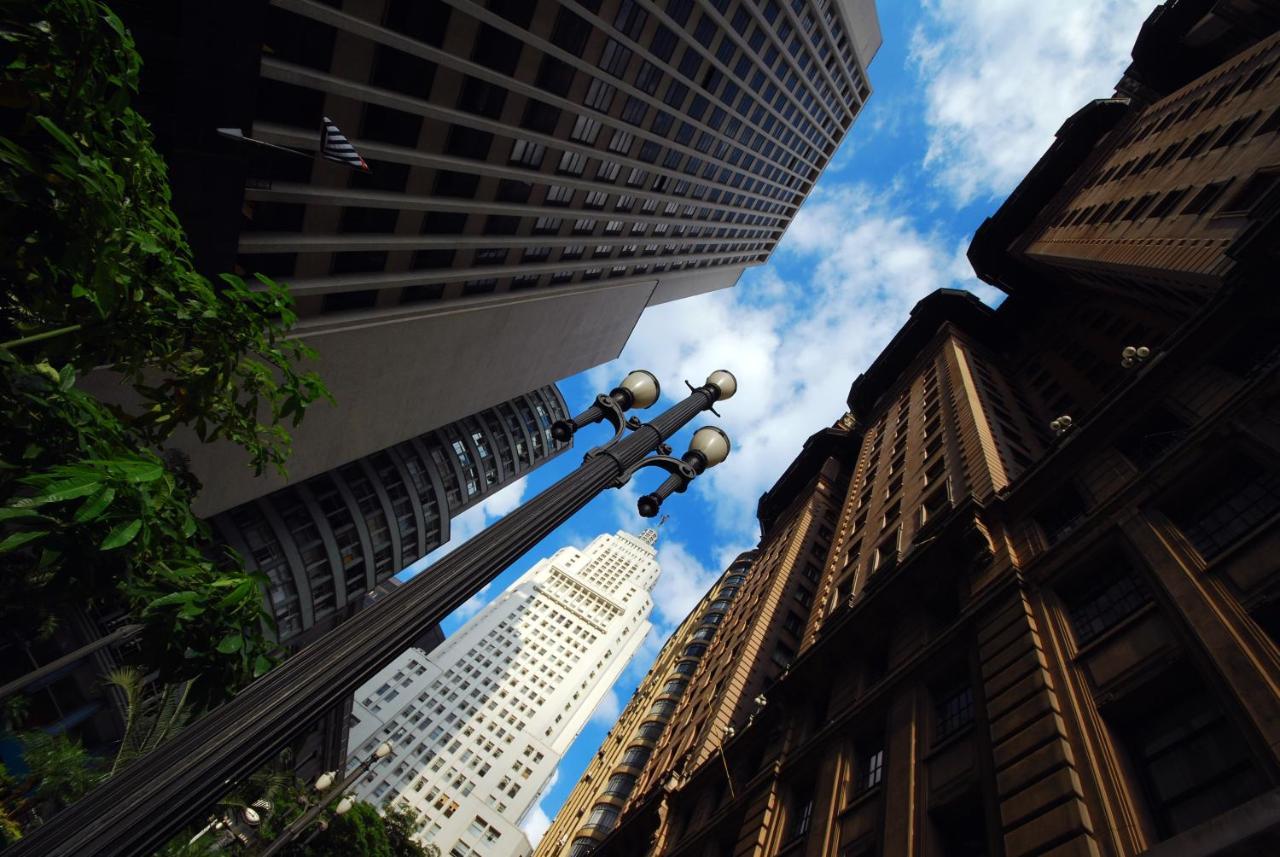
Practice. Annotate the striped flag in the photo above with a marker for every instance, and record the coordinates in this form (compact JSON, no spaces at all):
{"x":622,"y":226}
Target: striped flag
{"x":335,"y":147}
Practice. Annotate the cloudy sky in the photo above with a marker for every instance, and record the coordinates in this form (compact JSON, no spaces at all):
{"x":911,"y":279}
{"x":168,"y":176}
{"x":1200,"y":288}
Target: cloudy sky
{"x":967,"y":95}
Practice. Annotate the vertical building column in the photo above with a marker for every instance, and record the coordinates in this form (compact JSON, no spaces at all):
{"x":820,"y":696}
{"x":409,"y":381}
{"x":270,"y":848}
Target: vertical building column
{"x":393,"y":523}
{"x":903,"y":801}
{"x":1219,"y":624}
{"x":1037,"y":785}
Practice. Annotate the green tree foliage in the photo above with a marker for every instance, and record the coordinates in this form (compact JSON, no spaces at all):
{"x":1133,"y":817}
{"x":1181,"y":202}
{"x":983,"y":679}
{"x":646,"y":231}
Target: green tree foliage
{"x":59,"y":768}
{"x":360,"y":831}
{"x":96,"y":274}
{"x":403,"y":823}
{"x":151,"y":716}
{"x":95,"y":267}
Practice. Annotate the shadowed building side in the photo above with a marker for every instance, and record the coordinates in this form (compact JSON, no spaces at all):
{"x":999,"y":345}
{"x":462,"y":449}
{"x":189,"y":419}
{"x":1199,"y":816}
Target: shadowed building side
{"x":540,"y":172}
{"x":327,"y":540}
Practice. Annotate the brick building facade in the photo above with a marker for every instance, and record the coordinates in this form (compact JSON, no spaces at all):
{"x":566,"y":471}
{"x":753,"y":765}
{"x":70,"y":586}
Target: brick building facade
{"x":1035,"y":635}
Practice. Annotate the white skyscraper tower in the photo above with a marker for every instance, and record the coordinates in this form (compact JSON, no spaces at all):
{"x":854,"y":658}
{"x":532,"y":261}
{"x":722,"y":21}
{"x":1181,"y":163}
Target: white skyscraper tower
{"x":480,"y":724}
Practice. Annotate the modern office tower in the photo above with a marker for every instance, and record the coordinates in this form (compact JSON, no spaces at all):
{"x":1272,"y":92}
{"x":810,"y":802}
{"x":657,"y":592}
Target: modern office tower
{"x":1047,"y":623}
{"x":733,"y":646}
{"x":480,"y":724}
{"x":540,"y":172}
{"x":326,"y":541}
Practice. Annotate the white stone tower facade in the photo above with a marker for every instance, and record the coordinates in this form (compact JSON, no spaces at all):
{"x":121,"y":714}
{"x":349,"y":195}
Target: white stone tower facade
{"x":480,"y":724}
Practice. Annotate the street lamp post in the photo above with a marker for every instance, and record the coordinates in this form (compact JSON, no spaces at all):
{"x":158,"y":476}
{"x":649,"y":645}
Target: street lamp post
{"x":323,"y":784}
{"x":142,"y":807}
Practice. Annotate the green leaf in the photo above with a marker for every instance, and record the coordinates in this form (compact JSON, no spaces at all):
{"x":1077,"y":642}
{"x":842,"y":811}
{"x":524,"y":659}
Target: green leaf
{"x":231,"y":644}
{"x":67,"y":489}
{"x":17,"y":540}
{"x":95,"y":505}
{"x":8,"y":513}
{"x":242,"y":591}
{"x":57,"y":133}
{"x":121,"y":535}
{"x":261,"y":666}
{"x":173,"y":598}
{"x":141,"y":471}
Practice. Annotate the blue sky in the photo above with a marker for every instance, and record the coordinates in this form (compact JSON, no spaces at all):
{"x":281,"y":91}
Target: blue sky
{"x":967,"y":95}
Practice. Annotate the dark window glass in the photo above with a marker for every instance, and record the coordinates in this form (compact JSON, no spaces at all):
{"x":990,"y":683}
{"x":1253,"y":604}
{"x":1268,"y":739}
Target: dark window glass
{"x":513,"y":191}
{"x":467,"y":142}
{"x":518,"y":12}
{"x":359,"y":261}
{"x":1061,"y":514}
{"x":1233,"y":499}
{"x":954,"y":711}
{"x":289,"y":104}
{"x":382,"y":175}
{"x":481,"y":97}
{"x":570,"y":32}
{"x":450,"y":183}
{"x":299,"y":39}
{"x":869,"y":769}
{"x":361,"y":219}
{"x":426,"y":292}
{"x":555,"y":76}
{"x":496,"y":50}
{"x":432,"y":259}
{"x":1149,"y":438}
{"x":424,"y":20}
{"x":540,"y":116}
{"x":400,"y":72}
{"x":1101,"y":603}
{"x":501,"y":224}
{"x":1192,"y":762}
{"x":479,"y":287}
{"x":444,"y":223}
{"x":390,"y":126}
{"x":346,"y":301}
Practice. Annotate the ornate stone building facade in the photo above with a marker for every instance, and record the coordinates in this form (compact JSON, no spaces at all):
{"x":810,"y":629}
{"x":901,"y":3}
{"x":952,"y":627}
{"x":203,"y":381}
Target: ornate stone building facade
{"x":1047,"y":623}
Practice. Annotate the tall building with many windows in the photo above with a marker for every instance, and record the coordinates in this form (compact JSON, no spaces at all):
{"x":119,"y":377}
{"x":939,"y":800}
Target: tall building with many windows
{"x":326,"y":541}
{"x":732,"y":647}
{"x":481,"y":723}
{"x":1047,"y":620}
{"x":540,"y":172}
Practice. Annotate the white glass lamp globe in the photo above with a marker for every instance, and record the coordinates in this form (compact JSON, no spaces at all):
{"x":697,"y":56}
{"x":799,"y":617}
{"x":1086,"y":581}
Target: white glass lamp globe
{"x":643,"y":387}
{"x":724,"y":381}
{"x":712,"y":443}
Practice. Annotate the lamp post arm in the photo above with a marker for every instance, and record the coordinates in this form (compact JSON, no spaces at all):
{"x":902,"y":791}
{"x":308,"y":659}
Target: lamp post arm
{"x":143,"y":806}
{"x":300,"y":823}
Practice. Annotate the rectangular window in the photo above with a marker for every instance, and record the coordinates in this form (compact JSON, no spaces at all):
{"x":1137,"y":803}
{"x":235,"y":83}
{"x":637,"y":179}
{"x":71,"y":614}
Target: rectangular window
{"x":1234,"y":499}
{"x":1103,"y":601}
{"x":585,"y":130}
{"x":525,"y":153}
{"x":1191,"y":761}
{"x":869,"y":769}
{"x":954,"y":711}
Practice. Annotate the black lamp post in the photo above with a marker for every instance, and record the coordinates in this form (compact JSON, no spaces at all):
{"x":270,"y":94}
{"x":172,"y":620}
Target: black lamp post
{"x":323,"y":784}
{"x":142,"y":807}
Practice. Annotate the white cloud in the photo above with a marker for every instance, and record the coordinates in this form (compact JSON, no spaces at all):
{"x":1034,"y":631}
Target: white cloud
{"x":683,"y":581}
{"x":845,"y":277}
{"x":473,"y":605}
{"x":536,"y":821}
{"x":607,"y":710}
{"x":1001,"y":76}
